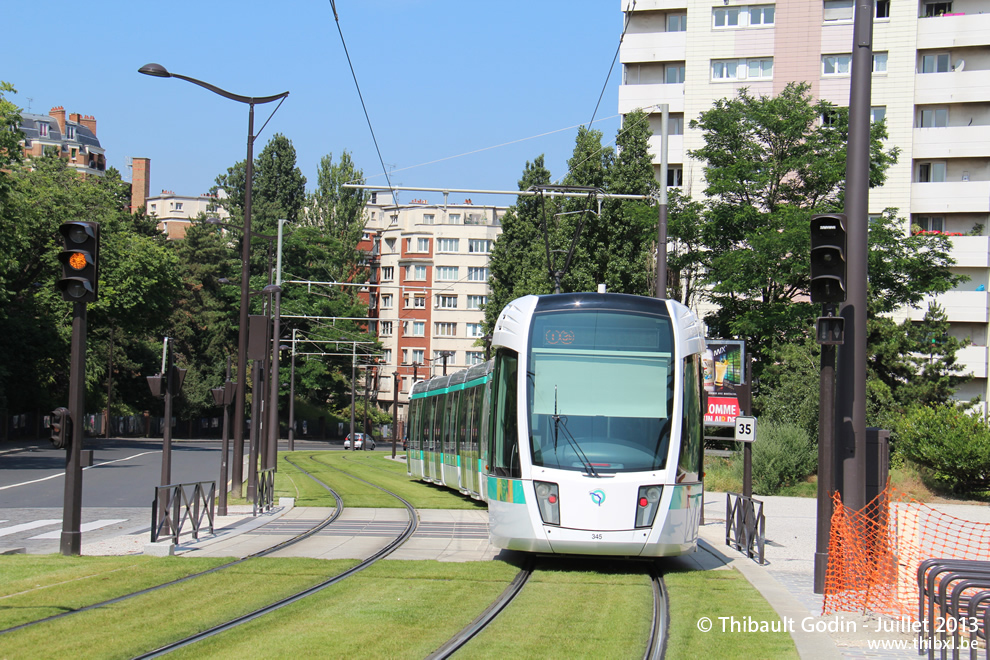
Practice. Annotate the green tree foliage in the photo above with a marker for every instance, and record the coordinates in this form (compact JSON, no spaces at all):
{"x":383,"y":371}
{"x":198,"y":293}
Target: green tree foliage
{"x":613,"y":242}
{"x":953,"y":445}
{"x":782,"y":456}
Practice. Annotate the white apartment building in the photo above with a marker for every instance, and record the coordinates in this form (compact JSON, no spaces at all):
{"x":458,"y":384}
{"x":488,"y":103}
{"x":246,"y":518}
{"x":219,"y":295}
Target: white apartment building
{"x":430,"y":265}
{"x":931,"y":81}
{"x":175,"y":213}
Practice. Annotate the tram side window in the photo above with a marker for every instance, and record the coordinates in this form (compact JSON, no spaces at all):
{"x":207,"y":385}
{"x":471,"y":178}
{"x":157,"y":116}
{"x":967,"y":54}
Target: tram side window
{"x":412,"y":428}
{"x":692,"y":430}
{"x":504,"y":435}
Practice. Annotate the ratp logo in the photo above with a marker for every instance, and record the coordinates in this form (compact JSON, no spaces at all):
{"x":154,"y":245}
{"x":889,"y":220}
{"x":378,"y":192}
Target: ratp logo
{"x":597,"y":496}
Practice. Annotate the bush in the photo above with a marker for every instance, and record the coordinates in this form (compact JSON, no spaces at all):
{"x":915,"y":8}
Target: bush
{"x":782,"y":456}
{"x":952,"y":444}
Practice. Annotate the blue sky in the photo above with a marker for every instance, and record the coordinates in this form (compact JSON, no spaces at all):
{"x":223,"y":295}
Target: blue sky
{"x":440,"y":78}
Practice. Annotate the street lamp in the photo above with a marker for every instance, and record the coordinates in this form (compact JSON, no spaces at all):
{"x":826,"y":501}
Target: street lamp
{"x":158,"y":71}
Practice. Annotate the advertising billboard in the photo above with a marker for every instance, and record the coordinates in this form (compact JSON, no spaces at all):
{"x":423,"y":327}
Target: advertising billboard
{"x":723,"y":362}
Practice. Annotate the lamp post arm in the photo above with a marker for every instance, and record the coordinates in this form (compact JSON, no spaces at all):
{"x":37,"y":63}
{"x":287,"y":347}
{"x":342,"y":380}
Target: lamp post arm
{"x":254,"y":100}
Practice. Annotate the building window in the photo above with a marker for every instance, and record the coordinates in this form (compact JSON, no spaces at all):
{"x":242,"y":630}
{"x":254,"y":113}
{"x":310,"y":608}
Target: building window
{"x":474,"y":357}
{"x":447,"y":245}
{"x":830,"y":117}
{"x":419,"y":328}
{"x":933,"y":118}
{"x":730,"y":17}
{"x":178,"y":206}
{"x":72,"y":153}
{"x":388,"y":273}
{"x":751,"y":69}
{"x":725,"y":17}
{"x":386,"y":301}
{"x":935,"y":63}
{"x":384,"y":328}
{"x":454,"y":219}
{"x":879,"y":62}
{"x":42,"y":129}
{"x":479,"y":245}
{"x":447,"y":273}
{"x":936,"y":8}
{"x":878,"y":113}
{"x":447,"y":302}
{"x":475,"y":330}
{"x":930,"y":222}
{"x":475,"y":302}
{"x":70,"y":132}
{"x":673,"y":74}
{"x":676,"y":22}
{"x":882,"y":8}
{"x":419,"y":356}
{"x":931,"y":172}
{"x":446,"y":329}
{"x":395,"y":219}
{"x":477,"y":274}
{"x":154,"y":207}
{"x":387,"y":356}
{"x":428,"y":218}
{"x":422,"y":245}
{"x":415,"y":272}
{"x":838,"y":10}
{"x":836,"y":65}
{"x":675,"y":176}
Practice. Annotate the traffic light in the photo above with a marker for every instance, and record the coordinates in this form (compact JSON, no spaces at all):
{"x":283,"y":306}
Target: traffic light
{"x":61,"y":428}
{"x":80,"y":259}
{"x":828,"y":258}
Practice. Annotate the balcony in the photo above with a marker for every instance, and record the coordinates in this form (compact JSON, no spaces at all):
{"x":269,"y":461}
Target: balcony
{"x":952,"y":142}
{"x":653,"y":5}
{"x":959,"y":306}
{"x":675,"y":148}
{"x":973,"y":359}
{"x":950,"y":197}
{"x":632,"y":97}
{"x":971,"y":251}
{"x":952,"y":31}
{"x":953,"y":87}
{"x":654,"y":47}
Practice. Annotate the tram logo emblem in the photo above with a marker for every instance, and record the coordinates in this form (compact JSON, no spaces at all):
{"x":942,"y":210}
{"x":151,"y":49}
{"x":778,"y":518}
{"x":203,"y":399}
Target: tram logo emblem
{"x":597,"y":496}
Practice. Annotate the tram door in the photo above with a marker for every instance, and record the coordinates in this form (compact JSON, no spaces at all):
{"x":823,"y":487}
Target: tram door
{"x":469,"y":463}
{"x":436,"y":464}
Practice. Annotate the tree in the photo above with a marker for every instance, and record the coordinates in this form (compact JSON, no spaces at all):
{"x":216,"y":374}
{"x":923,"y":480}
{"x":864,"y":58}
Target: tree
{"x":770,"y":163}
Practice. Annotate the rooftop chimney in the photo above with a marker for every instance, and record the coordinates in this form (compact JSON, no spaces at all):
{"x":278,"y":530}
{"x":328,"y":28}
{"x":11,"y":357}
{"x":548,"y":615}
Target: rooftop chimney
{"x":58,"y":114}
{"x":140,"y":183}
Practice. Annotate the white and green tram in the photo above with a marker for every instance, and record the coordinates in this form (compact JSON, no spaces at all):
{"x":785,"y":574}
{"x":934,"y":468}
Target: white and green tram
{"x":584,"y":433}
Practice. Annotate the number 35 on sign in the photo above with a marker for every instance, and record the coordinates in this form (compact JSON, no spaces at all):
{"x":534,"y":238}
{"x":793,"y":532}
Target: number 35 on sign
{"x":745,"y":429}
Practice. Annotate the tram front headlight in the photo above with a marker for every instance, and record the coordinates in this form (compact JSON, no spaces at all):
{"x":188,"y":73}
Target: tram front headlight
{"x":549,"y":502}
{"x":647,"y":504}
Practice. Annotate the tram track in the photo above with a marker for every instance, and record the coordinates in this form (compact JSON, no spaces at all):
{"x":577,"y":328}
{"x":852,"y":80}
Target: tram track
{"x":320,"y":526}
{"x":238,"y":621}
{"x":660,"y":626}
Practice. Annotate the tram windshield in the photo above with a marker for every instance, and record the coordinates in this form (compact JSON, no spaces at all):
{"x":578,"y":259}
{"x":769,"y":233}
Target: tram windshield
{"x":600,"y":391}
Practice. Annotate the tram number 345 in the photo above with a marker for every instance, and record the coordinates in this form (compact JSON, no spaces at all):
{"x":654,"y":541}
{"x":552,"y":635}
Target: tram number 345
{"x":745,"y":429}
{"x":596,"y":537}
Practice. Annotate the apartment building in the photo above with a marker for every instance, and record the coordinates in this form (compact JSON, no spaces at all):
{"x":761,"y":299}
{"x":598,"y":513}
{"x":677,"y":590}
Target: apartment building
{"x":73,"y":138}
{"x":428,"y":286}
{"x":175,"y":213}
{"x":931,"y":81}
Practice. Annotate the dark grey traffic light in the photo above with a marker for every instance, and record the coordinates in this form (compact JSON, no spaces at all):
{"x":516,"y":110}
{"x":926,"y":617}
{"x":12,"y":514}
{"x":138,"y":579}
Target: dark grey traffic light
{"x":80,"y":261}
{"x":61,"y":428}
{"x":828,"y":258}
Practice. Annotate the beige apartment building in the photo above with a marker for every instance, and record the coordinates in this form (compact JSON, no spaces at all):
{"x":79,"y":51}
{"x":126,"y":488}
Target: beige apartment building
{"x":429,"y":284}
{"x":931,"y":81}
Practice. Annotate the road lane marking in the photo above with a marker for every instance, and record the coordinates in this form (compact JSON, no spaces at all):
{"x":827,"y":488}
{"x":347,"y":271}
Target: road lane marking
{"x":28,"y":525}
{"x":62,"y":474}
{"x":85,"y":527}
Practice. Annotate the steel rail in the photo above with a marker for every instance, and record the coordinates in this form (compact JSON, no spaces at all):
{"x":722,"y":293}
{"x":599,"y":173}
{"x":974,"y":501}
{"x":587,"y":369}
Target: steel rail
{"x":656,"y":648}
{"x":458,"y":641}
{"x":262,"y":553}
{"x":251,"y":616}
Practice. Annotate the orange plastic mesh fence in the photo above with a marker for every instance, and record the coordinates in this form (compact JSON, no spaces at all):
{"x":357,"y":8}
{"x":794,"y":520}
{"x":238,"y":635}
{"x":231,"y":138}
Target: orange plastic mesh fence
{"x":873,"y":554}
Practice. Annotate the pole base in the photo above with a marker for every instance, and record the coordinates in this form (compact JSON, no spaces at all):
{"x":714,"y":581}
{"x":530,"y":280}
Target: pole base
{"x":821,"y":566}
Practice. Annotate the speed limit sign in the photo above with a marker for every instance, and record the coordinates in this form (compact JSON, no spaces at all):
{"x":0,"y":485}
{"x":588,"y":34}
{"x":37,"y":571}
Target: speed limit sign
{"x":745,"y":429}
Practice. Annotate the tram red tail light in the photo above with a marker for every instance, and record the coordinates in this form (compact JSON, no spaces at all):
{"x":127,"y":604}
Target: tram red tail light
{"x":647,"y":505}
{"x":547,"y":497}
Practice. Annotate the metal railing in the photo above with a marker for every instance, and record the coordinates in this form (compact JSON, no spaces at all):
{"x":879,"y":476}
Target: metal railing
{"x":177,"y":503}
{"x":745,"y":526}
{"x":264,"y":494}
{"x":956,"y":595}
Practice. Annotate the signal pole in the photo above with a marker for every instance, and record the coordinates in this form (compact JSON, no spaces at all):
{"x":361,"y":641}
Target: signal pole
{"x":71,"y":540}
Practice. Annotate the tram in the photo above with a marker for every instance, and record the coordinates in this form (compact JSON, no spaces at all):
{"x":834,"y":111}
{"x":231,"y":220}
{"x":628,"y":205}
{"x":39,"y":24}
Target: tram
{"x":584,"y":433}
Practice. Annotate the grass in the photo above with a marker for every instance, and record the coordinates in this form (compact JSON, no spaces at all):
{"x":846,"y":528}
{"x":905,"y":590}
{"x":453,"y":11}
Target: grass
{"x":714,"y":594}
{"x":147,"y":622}
{"x":334,"y":467}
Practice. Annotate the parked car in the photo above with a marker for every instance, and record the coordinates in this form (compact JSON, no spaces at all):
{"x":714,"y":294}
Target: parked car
{"x":361,"y":441}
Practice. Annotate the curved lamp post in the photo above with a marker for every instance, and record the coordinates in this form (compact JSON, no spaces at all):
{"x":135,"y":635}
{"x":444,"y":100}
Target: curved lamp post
{"x":158,"y":71}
